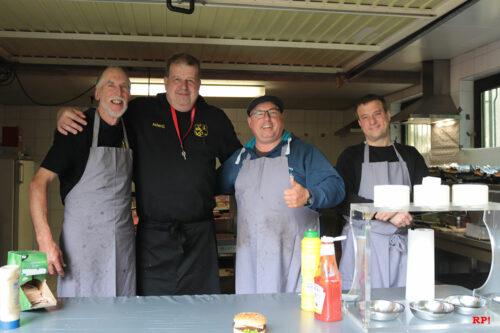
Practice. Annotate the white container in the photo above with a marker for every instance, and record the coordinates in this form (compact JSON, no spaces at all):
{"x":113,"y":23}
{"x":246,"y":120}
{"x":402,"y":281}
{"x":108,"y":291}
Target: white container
{"x":469,"y":194}
{"x":10,"y":308}
{"x":391,"y":195}
{"x":431,"y":195}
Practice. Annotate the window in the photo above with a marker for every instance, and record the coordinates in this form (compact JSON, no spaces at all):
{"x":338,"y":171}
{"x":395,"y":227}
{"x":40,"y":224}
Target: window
{"x":419,"y":136}
{"x":486,"y":112}
{"x":490,"y":122}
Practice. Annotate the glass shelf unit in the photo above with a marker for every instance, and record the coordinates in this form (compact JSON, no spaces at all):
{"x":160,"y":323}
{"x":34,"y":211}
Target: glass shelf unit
{"x":361,"y":292}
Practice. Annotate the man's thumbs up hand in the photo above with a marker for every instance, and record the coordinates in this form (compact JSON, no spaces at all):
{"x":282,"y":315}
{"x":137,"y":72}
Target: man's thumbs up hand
{"x":296,"y":196}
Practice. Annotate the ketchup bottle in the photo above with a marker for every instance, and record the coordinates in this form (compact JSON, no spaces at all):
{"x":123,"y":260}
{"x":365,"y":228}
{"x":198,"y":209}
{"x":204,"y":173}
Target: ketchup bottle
{"x":327,"y":284}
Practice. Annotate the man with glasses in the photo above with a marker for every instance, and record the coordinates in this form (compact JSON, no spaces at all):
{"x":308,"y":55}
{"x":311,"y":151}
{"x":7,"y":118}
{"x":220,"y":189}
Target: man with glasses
{"x":280,"y":183}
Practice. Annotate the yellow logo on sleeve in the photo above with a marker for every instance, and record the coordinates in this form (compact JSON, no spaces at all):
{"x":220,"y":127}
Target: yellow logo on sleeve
{"x":201,"y":130}
{"x":158,"y":125}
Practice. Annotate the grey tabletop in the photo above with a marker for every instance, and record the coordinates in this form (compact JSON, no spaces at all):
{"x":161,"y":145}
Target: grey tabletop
{"x":214,"y":313}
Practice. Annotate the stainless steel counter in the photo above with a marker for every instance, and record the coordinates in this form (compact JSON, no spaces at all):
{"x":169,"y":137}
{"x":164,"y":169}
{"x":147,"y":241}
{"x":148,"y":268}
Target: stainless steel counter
{"x":214,"y":313}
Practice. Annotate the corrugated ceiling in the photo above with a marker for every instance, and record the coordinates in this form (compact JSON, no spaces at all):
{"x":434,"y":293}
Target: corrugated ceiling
{"x":297,"y":36}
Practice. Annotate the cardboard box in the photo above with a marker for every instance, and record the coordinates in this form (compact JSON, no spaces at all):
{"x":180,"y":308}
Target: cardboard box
{"x":33,"y":292}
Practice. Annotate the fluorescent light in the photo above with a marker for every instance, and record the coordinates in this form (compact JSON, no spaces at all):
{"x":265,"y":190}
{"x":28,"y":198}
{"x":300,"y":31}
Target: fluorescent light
{"x":231,"y":91}
{"x":140,"y":87}
{"x":445,"y":122}
{"x":143,"y":89}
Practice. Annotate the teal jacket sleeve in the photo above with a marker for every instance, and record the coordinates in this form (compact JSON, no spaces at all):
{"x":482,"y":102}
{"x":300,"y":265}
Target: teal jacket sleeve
{"x":313,"y":171}
{"x":227,"y":173}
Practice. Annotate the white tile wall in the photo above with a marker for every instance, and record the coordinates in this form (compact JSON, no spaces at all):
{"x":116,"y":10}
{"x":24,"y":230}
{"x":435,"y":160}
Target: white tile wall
{"x":465,"y":68}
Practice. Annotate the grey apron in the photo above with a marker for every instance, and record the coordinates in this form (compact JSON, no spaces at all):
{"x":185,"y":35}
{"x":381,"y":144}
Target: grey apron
{"x":388,"y":242}
{"x":268,"y":232}
{"x":97,"y":238}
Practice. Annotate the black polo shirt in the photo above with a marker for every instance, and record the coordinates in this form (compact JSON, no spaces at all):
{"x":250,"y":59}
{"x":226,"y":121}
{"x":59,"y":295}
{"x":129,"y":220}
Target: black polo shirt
{"x":69,"y":153}
{"x":169,"y":188}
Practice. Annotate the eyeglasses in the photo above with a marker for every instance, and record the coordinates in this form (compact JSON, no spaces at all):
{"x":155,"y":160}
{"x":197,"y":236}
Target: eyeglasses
{"x":273,"y":113}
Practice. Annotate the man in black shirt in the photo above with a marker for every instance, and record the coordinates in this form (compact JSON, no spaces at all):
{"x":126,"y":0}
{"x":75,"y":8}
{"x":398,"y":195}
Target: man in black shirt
{"x":95,"y":173}
{"x":176,"y":138}
{"x":378,"y":161}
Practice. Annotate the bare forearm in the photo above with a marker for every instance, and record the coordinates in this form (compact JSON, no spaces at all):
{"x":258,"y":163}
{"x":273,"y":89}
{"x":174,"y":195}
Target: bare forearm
{"x":38,"y":208}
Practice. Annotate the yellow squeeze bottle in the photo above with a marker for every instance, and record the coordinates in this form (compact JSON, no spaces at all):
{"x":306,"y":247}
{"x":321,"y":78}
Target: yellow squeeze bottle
{"x":311,"y":245}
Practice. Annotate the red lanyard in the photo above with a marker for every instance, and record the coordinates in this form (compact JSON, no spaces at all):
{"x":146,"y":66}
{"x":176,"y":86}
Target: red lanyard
{"x":174,"y":117}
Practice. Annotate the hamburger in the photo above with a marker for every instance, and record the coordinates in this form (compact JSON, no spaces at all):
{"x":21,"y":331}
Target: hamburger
{"x":249,"y":322}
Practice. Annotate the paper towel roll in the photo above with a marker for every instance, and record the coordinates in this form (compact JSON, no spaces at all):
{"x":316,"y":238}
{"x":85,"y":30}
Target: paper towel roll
{"x":420,"y":276}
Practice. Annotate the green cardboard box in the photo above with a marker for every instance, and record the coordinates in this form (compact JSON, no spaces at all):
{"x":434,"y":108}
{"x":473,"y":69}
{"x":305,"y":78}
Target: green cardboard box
{"x":34,"y":293}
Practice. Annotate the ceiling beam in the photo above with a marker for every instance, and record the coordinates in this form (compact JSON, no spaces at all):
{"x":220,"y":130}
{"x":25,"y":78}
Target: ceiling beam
{"x":186,"y":40}
{"x":161,"y":64}
{"x":384,"y":76}
{"x":293,"y":5}
{"x":404,"y":42}
{"x":4,"y":54}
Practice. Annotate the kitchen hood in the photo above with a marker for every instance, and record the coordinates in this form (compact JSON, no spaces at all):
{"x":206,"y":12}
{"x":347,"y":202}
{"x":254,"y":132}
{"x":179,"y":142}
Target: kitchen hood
{"x":436,"y":103}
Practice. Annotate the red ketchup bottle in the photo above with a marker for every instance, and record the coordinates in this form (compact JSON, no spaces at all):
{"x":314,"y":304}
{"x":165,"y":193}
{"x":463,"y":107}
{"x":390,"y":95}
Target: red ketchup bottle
{"x":327,"y":284}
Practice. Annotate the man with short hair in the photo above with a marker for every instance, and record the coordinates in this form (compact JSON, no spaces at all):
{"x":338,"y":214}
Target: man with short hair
{"x":280,"y":183}
{"x":96,"y":257}
{"x":378,"y":161}
{"x":176,"y":138}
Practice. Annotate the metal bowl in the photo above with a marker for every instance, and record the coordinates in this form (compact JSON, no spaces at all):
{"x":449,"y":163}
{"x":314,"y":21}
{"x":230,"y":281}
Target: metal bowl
{"x":385,"y":310}
{"x":466,"y":304}
{"x":494,"y":297}
{"x":431,"y":310}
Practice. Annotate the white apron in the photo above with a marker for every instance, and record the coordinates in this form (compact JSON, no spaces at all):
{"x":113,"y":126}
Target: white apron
{"x":97,"y":238}
{"x":268,"y":232}
{"x":388,"y":242}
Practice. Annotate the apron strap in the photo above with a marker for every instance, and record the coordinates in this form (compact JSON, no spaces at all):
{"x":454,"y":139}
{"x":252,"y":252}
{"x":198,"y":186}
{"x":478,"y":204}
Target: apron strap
{"x":125,"y":138}
{"x":396,"y":151}
{"x":239,"y":156}
{"x":287,"y":152}
{"x":366,"y":154}
{"x":403,"y":166}
{"x":95,"y":135}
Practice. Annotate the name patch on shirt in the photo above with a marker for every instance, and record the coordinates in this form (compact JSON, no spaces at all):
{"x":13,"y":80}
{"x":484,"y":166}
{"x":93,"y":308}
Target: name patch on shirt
{"x":158,"y":125}
{"x":201,"y":130}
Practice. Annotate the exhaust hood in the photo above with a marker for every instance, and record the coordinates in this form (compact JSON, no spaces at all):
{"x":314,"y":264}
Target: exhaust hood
{"x":436,"y":103}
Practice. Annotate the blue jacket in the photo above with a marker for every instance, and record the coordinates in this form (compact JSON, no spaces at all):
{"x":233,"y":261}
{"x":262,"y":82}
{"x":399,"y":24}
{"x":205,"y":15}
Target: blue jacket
{"x":306,"y":163}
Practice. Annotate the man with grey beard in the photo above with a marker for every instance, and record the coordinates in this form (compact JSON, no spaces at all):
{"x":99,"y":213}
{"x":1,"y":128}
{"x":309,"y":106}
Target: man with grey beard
{"x":96,"y":256}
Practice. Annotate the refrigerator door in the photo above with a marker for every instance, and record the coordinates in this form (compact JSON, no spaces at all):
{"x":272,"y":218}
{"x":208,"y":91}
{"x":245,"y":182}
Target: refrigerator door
{"x":16,"y":228}
{"x":7,"y":193}
{"x":25,"y":232}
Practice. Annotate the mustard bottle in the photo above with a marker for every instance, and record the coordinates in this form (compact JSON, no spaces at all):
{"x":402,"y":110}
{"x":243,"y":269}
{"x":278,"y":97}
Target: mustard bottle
{"x":310,"y":247}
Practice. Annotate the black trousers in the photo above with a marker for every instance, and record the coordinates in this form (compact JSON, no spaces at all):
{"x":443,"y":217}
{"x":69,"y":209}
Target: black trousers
{"x":177,"y":258}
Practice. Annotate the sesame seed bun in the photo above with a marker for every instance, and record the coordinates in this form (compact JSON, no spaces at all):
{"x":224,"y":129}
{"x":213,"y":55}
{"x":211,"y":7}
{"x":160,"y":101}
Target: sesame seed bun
{"x":249,"y":321}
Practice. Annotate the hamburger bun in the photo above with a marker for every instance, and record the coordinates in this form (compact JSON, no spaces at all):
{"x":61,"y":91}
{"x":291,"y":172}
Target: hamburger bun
{"x":249,"y":322}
